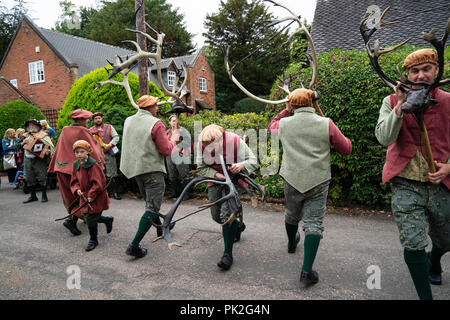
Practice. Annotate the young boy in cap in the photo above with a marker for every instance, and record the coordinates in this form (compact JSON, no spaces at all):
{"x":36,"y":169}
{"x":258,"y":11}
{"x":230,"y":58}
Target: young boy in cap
{"x":419,"y":196}
{"x":215,"y":141}
{"x":89,"y":183}
{"x":306,"y":138}
{"x":64,"y":158}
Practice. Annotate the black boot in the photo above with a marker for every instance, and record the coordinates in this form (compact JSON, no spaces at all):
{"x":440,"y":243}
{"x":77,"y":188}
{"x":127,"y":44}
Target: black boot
{"x":435,"y":272}
{"x":71,"y":224}
{"x":114,"y":187}
{"x":32,"y":197}
{"x":108,"y":221}
{"x":309,"y":278}
{"x":93,"y":241}
{"x":44,"y":194}
{"x":226,"y":262}
{"x":137,"y":252}
{"x":187,"y":194}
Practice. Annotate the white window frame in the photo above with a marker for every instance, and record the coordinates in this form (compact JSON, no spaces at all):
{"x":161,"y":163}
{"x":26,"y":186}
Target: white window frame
{"x":203,"y":85}
{"x":171,"y":76}
{"x":13,"y":82}
{"x":36,"y":72}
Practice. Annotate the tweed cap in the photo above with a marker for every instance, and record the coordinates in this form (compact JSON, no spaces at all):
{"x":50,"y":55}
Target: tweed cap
{"x":82,"y":144}
{"x":211,"y":133}
{"x":301,"y":97}
{"x":147,"y":101}
{"x":80,"y":114}
{"x":419,"y":57}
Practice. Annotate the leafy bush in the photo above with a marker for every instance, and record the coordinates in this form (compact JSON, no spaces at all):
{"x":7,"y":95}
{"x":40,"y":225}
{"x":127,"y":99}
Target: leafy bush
{"x":14,"y":114}
{"x":249,"y":105}
{"x":83,"y":95}
{"x":351,"y":94}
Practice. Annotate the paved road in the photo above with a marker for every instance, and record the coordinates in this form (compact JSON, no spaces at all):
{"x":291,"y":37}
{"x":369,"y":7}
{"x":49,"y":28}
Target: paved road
{"x":35,"y":253}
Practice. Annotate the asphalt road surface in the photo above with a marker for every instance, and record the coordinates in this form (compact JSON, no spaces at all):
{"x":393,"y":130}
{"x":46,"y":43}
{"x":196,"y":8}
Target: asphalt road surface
{"x":40,"y":259}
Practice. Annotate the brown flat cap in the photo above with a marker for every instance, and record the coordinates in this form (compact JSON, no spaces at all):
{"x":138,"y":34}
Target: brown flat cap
{"x":147,"y":101}
{"x":419,"y":57}
{"x":301,"y":97}
{"x":80,"y":114}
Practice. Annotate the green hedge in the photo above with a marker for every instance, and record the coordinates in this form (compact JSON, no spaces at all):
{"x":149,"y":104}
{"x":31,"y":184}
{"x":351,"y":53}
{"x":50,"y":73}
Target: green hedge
{"x":14,"y":114}
{"x":83,"y":95}
{"x":249,"y":105}
{"x":351,"y":94}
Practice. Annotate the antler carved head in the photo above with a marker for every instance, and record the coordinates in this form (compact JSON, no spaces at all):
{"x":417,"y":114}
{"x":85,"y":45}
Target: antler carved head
{"x":418,"y":93}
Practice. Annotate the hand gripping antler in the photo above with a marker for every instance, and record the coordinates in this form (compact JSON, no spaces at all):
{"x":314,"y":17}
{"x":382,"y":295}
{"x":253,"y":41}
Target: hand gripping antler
{"x":301,"y":28}
{"x":232,"y":198}
{"x":418,"y":99}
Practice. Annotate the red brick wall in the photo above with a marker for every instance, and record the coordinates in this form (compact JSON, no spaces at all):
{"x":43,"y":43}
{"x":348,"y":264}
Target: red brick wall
{"x":50,"y":94}
{"x":8,"y":94}
{"x":201,"y":69}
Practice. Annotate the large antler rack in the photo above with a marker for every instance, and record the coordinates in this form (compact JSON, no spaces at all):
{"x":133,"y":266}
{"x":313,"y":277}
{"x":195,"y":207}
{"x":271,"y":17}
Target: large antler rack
{"x":124,"y":67}
{"x":232,"y":198}
{"x":301,"y":28}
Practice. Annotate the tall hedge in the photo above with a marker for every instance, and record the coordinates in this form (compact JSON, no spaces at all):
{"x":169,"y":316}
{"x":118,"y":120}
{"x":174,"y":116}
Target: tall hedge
{"x":83,"y":95}
{"x":14,"y":114}
{"x":351,"y":94}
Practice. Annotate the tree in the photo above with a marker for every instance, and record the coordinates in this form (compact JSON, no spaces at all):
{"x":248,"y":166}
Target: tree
{"x":108,"y":24}
{"x":244,"y":27}
{"x":74,"y":20}
{"x":9,"y":21}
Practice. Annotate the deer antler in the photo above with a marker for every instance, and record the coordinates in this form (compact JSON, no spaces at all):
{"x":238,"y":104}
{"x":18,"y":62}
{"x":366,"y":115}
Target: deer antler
{"x":124,"y":68}
{"x":376,"y":52}
{"x":293,"y":18}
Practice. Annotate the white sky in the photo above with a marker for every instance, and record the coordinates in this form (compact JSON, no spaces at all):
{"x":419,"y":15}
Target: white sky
{"x":45,"y":13}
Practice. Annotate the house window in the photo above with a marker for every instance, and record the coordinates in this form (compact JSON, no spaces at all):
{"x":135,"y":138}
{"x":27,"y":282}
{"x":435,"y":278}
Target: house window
{"x":36,"y":71}
{"x":203,"y":85}
{"x":171,"y":78}
{"x":13,"y":82}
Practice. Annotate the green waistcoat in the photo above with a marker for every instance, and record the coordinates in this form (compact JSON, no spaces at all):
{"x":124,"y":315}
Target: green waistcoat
{"x":306,"y":149}
{"x":139,"y":152}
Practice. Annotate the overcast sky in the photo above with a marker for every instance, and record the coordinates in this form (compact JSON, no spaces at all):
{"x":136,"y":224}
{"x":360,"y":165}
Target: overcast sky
{"x":45,"y":13}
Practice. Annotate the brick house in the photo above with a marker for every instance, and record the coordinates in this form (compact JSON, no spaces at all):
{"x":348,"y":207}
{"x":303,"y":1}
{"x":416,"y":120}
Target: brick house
{"x":336,"y":22}
{"x":43,"y":64}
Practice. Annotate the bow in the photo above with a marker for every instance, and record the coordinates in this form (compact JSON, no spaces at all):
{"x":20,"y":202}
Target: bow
{"x":232,"y":198}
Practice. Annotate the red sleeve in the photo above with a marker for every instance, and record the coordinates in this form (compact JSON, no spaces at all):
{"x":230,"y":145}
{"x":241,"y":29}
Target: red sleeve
{"x":163,"y":144}
{"x":342,"y":144}
{"x":97,"y":181}
{"x":275,"y":123}
{"x":74,"y":183}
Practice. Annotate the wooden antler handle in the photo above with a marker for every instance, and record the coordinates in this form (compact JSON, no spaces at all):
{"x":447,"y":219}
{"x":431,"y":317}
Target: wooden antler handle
{"x":430,"y":159}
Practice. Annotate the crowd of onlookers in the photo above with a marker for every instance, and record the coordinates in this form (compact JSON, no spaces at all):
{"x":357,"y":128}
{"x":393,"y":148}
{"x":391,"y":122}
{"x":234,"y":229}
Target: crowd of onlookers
{"x":12,"y":152}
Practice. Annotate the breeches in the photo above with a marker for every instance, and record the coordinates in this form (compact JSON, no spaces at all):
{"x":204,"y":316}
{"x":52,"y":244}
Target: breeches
{"x":309,"y":207}
{"x":177,"y":171}
{"x":35,"y":171}
{"x":219,"y":212}
{"x":416,"y":203}
{"x":153,"y":186}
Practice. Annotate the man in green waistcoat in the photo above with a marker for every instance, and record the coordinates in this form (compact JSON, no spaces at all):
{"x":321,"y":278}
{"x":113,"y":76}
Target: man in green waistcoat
{"x":144,"y":146}
{"x":306,"y":138}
